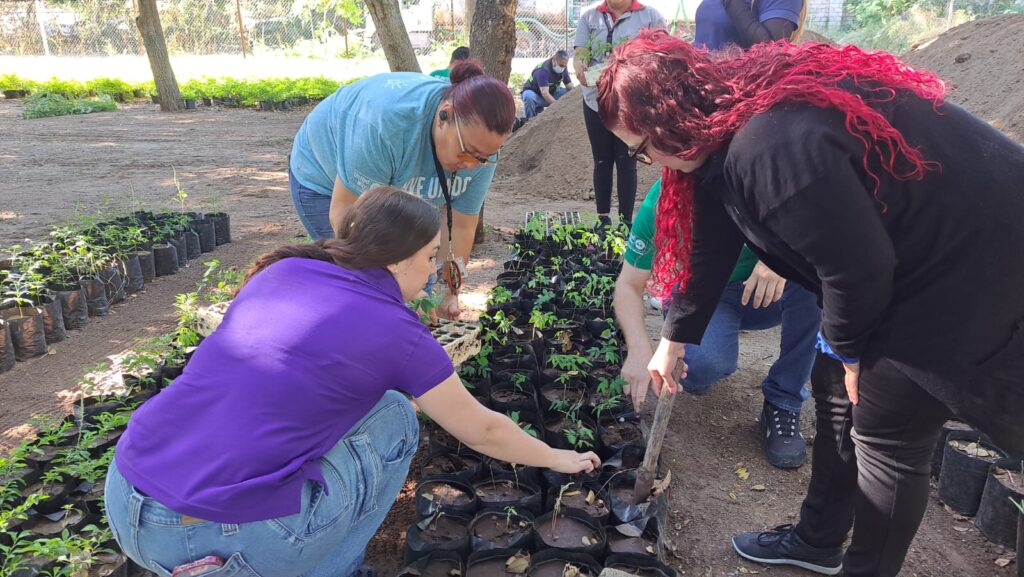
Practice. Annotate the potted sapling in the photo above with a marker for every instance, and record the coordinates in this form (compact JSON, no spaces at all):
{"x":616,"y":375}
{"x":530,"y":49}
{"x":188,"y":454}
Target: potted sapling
{"x":25,"y":319}
{"x":501,"y":529}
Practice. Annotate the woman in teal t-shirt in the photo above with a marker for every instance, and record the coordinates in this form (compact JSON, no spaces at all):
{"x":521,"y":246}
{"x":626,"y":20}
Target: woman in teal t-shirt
{"x":387,"y":130}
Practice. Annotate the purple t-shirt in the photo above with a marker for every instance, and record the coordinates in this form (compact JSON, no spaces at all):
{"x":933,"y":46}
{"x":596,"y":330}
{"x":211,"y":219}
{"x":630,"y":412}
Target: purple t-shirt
{"x":305,"y":351}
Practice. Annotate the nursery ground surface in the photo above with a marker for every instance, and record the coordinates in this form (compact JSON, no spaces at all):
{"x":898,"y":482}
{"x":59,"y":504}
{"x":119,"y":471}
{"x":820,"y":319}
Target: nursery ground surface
{"x":50,"y":167}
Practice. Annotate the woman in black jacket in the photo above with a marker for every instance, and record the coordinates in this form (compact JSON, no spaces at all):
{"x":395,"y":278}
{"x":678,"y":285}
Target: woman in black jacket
{"x":848,"y":173}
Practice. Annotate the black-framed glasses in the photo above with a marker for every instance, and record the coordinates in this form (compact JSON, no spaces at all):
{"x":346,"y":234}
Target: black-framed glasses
{"x":640,"y":154}
{"x":484,"y":160}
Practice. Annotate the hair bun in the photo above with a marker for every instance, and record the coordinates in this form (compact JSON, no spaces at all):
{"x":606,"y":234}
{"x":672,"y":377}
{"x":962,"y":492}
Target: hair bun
{"x":464,"y":70}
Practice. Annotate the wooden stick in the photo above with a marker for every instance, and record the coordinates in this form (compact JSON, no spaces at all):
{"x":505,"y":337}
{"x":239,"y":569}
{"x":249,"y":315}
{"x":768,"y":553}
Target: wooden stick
{"x":645,"y":476}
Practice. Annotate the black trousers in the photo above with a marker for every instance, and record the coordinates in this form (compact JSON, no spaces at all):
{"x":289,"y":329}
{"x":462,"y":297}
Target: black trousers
{"x":610,"y":154}
{"x":870,"y":465}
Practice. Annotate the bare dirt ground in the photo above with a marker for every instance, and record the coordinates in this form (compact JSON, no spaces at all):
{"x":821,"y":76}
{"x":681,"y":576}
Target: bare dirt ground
{"x":51,"y":168}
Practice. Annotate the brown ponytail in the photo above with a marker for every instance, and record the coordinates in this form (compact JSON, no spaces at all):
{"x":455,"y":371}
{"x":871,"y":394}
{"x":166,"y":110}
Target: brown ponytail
{"x":384,"y":226}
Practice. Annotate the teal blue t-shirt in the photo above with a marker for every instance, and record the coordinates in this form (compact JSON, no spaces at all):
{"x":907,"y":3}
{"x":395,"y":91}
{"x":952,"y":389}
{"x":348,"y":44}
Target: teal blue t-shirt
{"x":376,"y":132}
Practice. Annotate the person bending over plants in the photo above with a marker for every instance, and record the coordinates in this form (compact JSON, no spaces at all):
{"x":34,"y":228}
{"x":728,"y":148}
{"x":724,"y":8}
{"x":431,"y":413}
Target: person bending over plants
{"x":844,"y":171}
{"x":282,"y":446}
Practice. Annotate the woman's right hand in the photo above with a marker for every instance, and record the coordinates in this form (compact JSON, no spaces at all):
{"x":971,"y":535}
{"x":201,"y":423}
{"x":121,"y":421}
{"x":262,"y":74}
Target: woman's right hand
{"x":571,"y":462}
{"x":663,"y":363}
{"x":581,"y":71}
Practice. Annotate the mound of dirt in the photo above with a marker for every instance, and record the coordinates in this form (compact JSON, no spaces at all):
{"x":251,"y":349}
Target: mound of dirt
{"x":550,"y":156}
{"x":982,"y":62}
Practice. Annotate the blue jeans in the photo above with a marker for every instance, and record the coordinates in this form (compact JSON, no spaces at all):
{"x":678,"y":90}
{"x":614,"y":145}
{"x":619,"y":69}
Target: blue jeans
{"x":534,"y":103}
{"x":314,"y":209}
{"x":364,"y":472}
{"x":716,"y":357}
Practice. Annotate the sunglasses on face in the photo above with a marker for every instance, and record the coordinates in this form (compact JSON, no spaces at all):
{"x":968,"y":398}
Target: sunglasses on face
{"x":468,"y":156}
{"x":640,"y":154}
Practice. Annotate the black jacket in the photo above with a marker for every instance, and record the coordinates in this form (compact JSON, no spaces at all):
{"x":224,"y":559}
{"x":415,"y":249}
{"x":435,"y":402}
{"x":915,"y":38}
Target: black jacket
{"x":926,"y":273}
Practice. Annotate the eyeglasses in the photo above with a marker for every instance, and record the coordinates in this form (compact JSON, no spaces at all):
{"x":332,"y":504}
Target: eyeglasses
{"x":483,"y":160}
{"x":639,"y":154}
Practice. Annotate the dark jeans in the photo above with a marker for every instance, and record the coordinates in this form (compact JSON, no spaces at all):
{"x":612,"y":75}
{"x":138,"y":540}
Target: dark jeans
{"x":870,"y":465}
{"x":610,"y":154}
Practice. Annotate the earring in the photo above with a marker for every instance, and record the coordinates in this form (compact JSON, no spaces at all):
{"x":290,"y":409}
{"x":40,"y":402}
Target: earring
{"x":443,"y":115}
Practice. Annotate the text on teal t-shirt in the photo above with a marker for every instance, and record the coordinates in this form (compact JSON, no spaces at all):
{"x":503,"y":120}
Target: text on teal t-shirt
{"x":377,"y":132}
{"x":640,"y":244}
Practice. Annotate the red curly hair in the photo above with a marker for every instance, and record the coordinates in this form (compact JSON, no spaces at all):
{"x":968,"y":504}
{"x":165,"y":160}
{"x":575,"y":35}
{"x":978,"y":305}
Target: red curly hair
{"x":688,"y":102}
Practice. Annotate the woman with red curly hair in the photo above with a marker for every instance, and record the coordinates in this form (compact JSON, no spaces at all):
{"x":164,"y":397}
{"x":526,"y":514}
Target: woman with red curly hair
{"x":847,"y":172}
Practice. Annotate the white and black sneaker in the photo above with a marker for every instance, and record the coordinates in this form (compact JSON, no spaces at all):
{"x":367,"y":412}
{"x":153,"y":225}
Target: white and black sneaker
{"x":782,"y":546}
{"x":784,"y":444}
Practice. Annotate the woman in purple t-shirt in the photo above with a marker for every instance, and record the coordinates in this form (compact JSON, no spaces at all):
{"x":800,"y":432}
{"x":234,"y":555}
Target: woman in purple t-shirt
{"x":283,"y":444}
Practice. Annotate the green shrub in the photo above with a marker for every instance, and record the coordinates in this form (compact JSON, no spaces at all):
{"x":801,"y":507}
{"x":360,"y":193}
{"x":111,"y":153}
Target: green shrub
{"x":65,"y":88}
{"x":15,"y":82}
{"x":44,"y":104}
{"x":113,"y":87}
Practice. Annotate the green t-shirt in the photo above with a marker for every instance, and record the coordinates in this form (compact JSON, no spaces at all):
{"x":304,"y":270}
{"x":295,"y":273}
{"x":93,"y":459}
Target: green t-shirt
{"x":640,"y":245}
{"x":442,"y":73}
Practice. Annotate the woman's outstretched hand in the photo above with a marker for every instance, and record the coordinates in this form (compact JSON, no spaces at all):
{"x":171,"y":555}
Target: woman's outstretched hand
{"x":571,"y":462}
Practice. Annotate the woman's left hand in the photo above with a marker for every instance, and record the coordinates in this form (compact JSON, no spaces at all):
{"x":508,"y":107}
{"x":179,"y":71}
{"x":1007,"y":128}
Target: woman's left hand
{"x":449,"y":308}
{"x":850,"y":379}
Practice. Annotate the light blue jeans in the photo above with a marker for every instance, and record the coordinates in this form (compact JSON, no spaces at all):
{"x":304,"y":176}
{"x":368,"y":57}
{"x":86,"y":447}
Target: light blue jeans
{"x":364,"y":472}
{"x":534,"y":103}
{"x":314,"y":209}
{"x":717,"y":355}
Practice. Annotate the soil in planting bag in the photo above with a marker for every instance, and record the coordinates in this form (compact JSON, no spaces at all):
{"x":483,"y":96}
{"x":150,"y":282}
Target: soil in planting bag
{"x":192,"y":244}
{"x":554,"y":562}
{"x":439,"y":532}
{"x":642,"y":565}
{"x":588,"y":496}
{"x":509,"y":562}
{"x":147,"y":265}
{"x":95,"y":297}
{"x":445,"y":494}
{"x":464,"y":467}
{"x":501,"y":529}
{"x":505,"y":490}
{"x":647,"y":543}
{"x":74,"y":307}
{"x":7,"y":358}
{"x":53,"y":321}
{"x":55,"y":495}
{"x":496,"y":468}
{"x":629,"y":517}
{"x":940,"y":445}
{"x":134,"y":279}
{"x":618,"y":433}
{"x":559,"y":432}
{"x":165,"y":259}
{"x":28,"y":332}
{"x":507,"y":397}
{"x":113,"y":283}
{"x":963,"y":476}
{"x":572,"y":530}
{"x":436,"y":564}
{"x":997,"y":516}
{"x":207,"y":232}
{"x":441,"y":440}
{"x":180,"y":249}
{"x":222,"y":226}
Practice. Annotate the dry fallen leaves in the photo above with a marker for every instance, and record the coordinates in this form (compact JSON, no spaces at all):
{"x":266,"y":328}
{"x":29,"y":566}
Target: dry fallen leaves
{"x":742,"y":473}
{"x":1002,"y":562}
{"x":758,"y":488}
{"x":518,"y":563}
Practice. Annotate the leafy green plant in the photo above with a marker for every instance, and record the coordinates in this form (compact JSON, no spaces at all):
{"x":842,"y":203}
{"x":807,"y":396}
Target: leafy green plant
{"x":519,"y":379}
{"x":607,"y":352}
{"x":537,"y":227}
{"x":541,"y":320}
{"x":569,"y":362}
{"x":46,"y":104}
{"x":607,"y":405}
{"x":500,"y":295}
{"x":115,"y":88}
{"x":425,"y":306}
{"x":610,"y":387}
{"x":15,"y":82}
{"x":580,"y":436}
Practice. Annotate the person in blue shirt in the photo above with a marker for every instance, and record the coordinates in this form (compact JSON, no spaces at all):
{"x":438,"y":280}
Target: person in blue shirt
{"x":545,"y":84}
{"x":746,"y":22}
{"x":409,"y":131}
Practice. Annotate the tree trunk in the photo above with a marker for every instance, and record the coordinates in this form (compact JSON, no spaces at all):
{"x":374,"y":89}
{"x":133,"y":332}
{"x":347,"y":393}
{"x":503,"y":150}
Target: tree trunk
{"x":394,"y":39}
{"x":467,"y":18}
{"x":492,"y":38}
{"x":152,"y":33}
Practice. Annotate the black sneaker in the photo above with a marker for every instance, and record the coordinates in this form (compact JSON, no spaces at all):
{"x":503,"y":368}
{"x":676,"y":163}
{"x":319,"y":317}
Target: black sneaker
{"x":782,"y":546}
{"x":784,"y":444}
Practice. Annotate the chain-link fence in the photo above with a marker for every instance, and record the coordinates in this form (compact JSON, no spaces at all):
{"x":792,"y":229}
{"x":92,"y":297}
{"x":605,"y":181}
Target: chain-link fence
{"x":342,"y":28}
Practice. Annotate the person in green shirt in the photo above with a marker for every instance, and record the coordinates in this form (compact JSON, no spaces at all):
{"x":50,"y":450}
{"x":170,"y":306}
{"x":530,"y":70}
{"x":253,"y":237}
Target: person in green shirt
{"x":755,"y":299}
{"x":460,"y":53}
